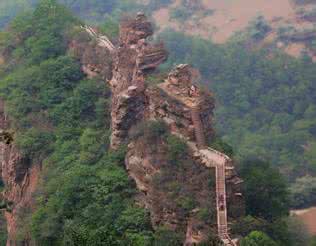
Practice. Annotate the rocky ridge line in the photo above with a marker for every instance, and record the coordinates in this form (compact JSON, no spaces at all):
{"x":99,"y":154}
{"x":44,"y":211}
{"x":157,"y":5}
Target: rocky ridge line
{"x":186,"y":110}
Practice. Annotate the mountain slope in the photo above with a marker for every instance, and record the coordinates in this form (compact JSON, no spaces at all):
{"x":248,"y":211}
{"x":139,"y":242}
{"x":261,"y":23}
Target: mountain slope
{"x":58,"y":123}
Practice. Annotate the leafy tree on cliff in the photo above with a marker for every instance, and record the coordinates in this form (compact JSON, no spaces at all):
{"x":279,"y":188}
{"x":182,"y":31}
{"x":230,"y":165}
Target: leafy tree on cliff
{"x":303,"y":192}
{"x":265,"y":190}
{"x":257,"y":238}
{"x":313,"y":241}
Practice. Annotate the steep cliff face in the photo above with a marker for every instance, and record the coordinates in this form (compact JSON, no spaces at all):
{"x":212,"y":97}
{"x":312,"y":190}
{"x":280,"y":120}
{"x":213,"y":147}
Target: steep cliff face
{"x":19,"y":177}
{"x":180,"y":195}
{"x":183,"y":195}
{"x":132,"y":60}
{"x":187,"y":187}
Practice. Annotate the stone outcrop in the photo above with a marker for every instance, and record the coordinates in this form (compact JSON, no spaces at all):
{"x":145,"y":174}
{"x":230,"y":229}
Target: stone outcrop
{"x":197,"y":197}
{"x":176,"y":98}
{"x":181,"y":198}
{"x":187,"y":111}
{"x":132,"y":60}
{"x":19,"y":177}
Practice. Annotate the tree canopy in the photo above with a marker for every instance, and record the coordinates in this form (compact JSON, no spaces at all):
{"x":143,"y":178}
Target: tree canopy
{"x":266,"y":192}
{"x":257,"y":238}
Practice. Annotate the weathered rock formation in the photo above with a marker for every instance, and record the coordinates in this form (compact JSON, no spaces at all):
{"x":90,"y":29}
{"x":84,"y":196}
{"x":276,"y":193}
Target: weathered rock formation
{"x":187,"y":199}
{"x":19,"y":177}
{"x":132,"y":60}
{"x":195,"y":196}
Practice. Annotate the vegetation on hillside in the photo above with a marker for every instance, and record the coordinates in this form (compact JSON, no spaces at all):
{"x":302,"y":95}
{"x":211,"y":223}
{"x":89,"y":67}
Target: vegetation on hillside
{"x":257,"y":238}
{"x":267,"y":208}
{"x":10,"y":8}
{"x":61,"y":120}
{"x":265,"y":102}
{"x":180,"y":184}
{"x":266,"y":108}
{"x":266,"y":191}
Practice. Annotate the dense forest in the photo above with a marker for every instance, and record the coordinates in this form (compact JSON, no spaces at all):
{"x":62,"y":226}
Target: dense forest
{"x":265,"y":110}
{"x":60,"y":117}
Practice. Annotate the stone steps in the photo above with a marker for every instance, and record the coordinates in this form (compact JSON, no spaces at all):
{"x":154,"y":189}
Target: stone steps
{"x":198,"y":126}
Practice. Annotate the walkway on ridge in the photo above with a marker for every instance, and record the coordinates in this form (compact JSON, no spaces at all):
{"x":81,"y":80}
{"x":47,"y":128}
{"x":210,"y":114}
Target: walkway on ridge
{"x":219,"y":161}
{"x":103,"y":40}
{"x":211,"y":157}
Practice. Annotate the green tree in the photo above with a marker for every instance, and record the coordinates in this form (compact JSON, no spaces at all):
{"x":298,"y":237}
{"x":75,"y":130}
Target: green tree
{"x":298,"y":233}
{"x":167,"y":237}
{"x":265,"y":190}
{"x":313,"y":241}
{"x":257,"y":238}
{"x":303,"y":192}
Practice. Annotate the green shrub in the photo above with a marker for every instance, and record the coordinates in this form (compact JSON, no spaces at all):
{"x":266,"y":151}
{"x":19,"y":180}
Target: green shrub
{"x":218,"y":144}
{"x":259,"y":28}
{"x":248,"y":224}
{"x":313,"y":241}
{"x":166,"y":237}
{"x":93,"y":144}
{"x":186,"y":203}
{"x":205,"y":214}
{"x":34,"y":142}
{"x":180,"y":13}
{"x":303,"y":192}
{"x":110,"y":27}
{"x":266,"y":193}
{"x":212,"y":240}
{"x":3,"y":230}
{"x":154,"y":79}
{"x":257,"y":238}
{"x":177,"y":149}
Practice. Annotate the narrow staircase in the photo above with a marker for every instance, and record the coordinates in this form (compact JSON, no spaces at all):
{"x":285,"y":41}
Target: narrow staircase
{"x":219,"y":161}
{"x":221,"y":205}
{"x":102,"y":41}
{"x":198,"y":127}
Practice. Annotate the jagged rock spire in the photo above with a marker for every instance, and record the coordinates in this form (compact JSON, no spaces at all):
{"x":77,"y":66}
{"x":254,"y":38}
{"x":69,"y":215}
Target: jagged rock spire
{"x":134,"y":29}
{"x":187,"y":111}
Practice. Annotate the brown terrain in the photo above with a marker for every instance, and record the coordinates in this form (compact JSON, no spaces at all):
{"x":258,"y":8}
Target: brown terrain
{"x":308,"y":217}
{"x":231,"y":16}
